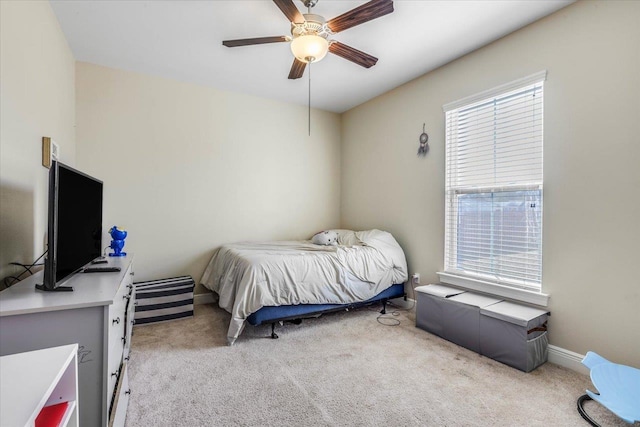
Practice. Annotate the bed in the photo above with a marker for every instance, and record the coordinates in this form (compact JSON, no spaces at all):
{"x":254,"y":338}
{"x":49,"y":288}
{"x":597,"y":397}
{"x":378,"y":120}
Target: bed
{"x":265,"y":282}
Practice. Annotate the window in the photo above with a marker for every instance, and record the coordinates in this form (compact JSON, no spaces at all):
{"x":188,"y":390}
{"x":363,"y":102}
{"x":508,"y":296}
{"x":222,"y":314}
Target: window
{"x":493,"y":230}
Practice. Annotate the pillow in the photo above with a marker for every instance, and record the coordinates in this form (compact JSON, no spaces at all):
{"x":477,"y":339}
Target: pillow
{"x":326,"y":238}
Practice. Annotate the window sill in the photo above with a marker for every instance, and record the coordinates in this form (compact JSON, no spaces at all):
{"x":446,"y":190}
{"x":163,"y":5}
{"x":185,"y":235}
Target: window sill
{"x":531,"y":297}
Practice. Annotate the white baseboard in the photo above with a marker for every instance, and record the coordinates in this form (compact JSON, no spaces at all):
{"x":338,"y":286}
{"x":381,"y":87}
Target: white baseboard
{"x":567,"y":359}
{"x":206,"y":298}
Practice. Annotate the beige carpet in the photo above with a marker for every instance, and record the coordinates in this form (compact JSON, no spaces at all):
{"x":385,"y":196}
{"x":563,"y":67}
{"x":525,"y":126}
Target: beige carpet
{"x":341,"y":369}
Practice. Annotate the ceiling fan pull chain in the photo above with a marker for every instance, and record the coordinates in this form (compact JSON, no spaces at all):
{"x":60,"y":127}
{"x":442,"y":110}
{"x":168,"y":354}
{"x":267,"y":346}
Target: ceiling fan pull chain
{"x":309,"y":118}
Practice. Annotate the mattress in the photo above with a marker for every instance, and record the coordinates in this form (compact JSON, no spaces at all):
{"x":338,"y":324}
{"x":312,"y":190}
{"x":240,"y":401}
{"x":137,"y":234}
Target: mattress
{"x":251,"y":275}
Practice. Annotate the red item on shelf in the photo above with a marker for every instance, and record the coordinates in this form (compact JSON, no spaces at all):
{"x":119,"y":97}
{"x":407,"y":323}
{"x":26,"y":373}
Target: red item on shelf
{"x":51,"y":416}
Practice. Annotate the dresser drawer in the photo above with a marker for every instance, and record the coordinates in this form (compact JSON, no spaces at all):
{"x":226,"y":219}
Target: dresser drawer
{"x":117,"y":309}
{"x":130,"y":311}
{"x":114,"y":365}
{"x":116,"y":325}
{"x":118,"y":411}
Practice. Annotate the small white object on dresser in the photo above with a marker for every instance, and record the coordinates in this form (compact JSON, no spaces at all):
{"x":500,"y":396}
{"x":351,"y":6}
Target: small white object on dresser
{"x":97,"y":315}
{"x":39,"y":379}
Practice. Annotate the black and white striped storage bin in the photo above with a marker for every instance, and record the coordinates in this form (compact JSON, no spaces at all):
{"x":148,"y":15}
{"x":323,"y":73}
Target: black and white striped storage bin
{"x":165,"y":299}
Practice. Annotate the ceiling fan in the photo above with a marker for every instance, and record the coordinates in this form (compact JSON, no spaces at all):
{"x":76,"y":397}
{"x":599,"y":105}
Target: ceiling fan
{"x":310,"y":33}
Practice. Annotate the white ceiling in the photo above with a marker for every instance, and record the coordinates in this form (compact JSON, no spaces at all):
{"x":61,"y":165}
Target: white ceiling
{"x":183,"y":40}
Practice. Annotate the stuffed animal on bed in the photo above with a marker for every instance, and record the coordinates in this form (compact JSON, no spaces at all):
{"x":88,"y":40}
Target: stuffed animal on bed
{"x":326,"y":238}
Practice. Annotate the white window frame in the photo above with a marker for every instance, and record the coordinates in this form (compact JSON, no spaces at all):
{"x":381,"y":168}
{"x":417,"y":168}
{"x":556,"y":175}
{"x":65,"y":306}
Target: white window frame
{"x":536,"y":297}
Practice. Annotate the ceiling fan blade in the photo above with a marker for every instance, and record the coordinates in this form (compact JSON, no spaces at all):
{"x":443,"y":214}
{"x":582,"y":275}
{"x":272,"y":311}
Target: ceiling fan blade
{"x":353,"y":55}
{"x":257,"y":40}
{"x":361,"y":14}
{"x":297,"y":69}
{"x":290,"y":10}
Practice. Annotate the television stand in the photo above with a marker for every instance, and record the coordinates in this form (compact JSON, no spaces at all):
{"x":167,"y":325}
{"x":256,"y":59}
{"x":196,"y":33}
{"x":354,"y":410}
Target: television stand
{"x":56,"y":289}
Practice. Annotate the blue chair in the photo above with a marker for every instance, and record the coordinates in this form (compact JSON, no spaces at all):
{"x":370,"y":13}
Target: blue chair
{"x":618,"y":387}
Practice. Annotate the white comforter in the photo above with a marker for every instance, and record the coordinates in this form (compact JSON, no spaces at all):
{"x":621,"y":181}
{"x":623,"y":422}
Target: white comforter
{"x":249,"y":276}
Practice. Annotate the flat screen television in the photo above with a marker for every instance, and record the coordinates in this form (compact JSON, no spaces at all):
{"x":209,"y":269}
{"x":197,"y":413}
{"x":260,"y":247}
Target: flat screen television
{"x":74,"y":236}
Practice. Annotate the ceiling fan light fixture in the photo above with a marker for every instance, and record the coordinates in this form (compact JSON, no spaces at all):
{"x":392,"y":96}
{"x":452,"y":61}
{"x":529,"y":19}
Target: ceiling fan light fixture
{"x":309,"y":48}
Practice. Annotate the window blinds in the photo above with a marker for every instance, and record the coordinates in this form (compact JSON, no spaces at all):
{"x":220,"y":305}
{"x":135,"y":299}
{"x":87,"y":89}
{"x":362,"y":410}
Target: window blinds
{"x":494,"y":174}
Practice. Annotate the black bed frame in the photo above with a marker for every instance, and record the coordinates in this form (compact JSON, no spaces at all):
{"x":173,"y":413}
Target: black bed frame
{"x":316,"y":310}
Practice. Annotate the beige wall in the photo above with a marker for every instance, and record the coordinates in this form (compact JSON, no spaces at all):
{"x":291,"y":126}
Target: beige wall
{"x":592,"y":166}
{"x":37,"y":98}
{"x":187,"y":168}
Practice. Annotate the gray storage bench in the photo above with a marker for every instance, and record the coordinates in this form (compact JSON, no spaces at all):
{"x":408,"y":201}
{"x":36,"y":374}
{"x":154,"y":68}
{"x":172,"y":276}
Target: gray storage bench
{"x":510,"y":333}
{"x":431,"y":305}
{"x":514,"y":334}
{"x":462,"y":320}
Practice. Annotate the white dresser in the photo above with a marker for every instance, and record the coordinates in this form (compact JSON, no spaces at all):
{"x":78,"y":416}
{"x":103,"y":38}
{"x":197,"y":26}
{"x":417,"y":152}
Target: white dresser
{"x":97,"y":315}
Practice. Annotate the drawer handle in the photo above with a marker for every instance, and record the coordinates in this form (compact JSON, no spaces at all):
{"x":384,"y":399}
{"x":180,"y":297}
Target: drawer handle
{"x":128,"y":391}
{"x":115,"y":321}
{"x":114,"y":374}
{"x":127,"y":358}
{"x":132,"y":273}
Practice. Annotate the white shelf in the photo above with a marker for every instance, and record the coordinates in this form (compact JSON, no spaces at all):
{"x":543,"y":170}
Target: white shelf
{"x":68,"y":419}
{"x":33,"y":380}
